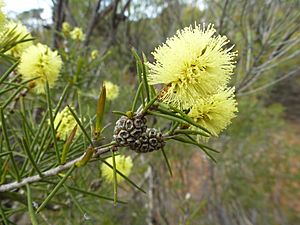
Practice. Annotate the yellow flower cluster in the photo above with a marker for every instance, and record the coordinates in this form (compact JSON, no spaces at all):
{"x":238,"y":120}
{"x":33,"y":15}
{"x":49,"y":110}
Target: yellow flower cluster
{"x":2,"y":15}
{"x":77,"y":34}
{"x":39,"y":61}
{"x":64,"y":123}
{"x":94,"y":54}
{"x":20,"y":31}
{"x":66,"y":28}
{"x":123,"y":164}
{"x":195,"y":67}
{"x":215,"y":112}
{"x":112,"y":90}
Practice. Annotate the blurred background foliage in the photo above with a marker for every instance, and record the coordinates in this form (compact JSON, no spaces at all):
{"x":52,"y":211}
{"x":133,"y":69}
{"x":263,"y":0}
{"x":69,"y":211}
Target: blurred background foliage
{"x":256,"y":179}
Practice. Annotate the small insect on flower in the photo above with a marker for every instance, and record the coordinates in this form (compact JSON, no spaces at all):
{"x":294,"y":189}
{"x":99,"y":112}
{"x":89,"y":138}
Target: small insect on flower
{"x":192,"y":64}
{"x":215,"y":112}
{"x":16,"y":29}
{"x":64,"y":123}
{"x":39,"y":61}
{"x":123,"y":164}
{"x":77,"y":34}
{"x":112,"y":90}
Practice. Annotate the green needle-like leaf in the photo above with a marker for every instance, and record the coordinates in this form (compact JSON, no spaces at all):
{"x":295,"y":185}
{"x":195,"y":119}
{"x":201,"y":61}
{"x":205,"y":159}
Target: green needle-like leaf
{"x":4,"y":218}
{"x":62,"y":97}
{"x":149,"y":104}
{"x":125,"y":177}
{"x":180,"y":139}
{"x":6,"y":74}
{"x":67,"y":145}
{"x":165,"y":108}
{"x":115,"y":178}
{"x":87,"y":192}
{"x":100,"y":113}
{"x":5,"y":133}
{"x":53,"y":130}
{"x":30,"y":157}
{"x":139,"y":70}
{"x":145,"y":80}
{"x":119,"y":113}
{"x":136,"y":97}
{"x":77,"y":204}
{"x":56,"y":188}
{"x":192,"y":132}
{"x":31,"y":212}
{"x":80,"y":125}
{"x":167,"y":161}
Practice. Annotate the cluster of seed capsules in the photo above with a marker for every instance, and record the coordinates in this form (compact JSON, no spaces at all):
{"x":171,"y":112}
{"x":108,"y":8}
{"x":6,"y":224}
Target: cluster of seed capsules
{"x":134,"y":134}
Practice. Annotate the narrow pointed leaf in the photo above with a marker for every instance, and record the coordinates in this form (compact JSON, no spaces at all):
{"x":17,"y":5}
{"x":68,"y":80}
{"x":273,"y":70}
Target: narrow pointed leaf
{"x":100,"y":112}
{"x":80,"y":125}
{"x":51,"y":118}
{"x":115,"y":178}
{"x":31,"y":212}
{"x":67,"y":145}
{"x":167,"y":162}
{"x":56,"y":188}
{"x":6,"y":74}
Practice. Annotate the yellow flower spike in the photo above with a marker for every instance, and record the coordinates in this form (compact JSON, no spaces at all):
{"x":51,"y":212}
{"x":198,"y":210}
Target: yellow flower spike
{"x":194,"y":63}
{"x":66,"y":28}
{"x":112,"y":90}
{"x":40,"y":61}
{"x":2,"y":16}
{"x":64,"y":123}
{"x":123,"y":164}
{"x":77,"y":34}
{"x":22,"y":33}
{"x":215,"y":112}
{"x":94,"y":54}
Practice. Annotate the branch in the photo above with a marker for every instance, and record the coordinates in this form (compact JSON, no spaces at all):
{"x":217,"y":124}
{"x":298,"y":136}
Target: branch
{"x":269,"y":84}
{"x":58,"y":18}
{"x":94,"y":19}
{"x":50,"y":172}
{"x":223,"y":16}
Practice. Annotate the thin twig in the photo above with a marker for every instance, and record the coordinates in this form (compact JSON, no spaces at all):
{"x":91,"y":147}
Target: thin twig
{"x":49,"y":173}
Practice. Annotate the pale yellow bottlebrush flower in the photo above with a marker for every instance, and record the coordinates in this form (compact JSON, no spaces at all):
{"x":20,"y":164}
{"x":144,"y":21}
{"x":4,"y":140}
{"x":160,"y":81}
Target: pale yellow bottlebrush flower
{"x":123,"y":164}
{"x":2,"y":16}
{"x":94,"y":54}
{"x":21,"y":32}
{"x":112,"y":90}
{"x":216,"y":111}
{"x":77,"y":34}
{"x":193,"y":63}
{"x":66,"y":28}
{"x":40,"y":61}
{"x":64,"y":123}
